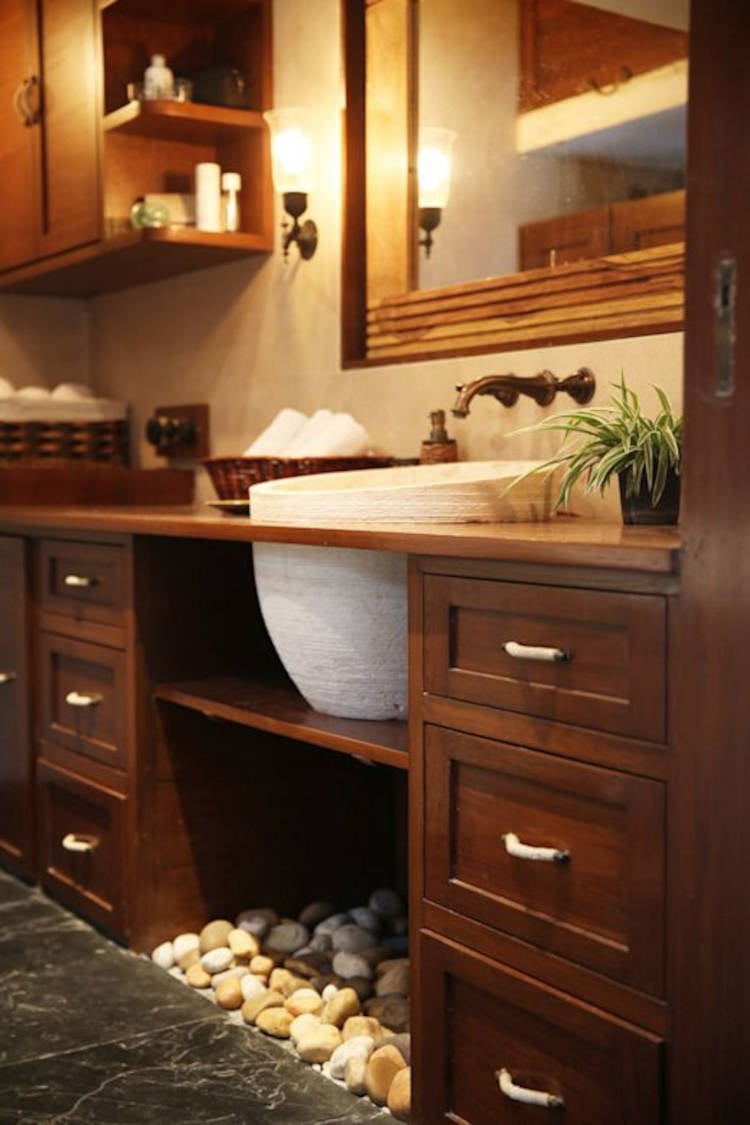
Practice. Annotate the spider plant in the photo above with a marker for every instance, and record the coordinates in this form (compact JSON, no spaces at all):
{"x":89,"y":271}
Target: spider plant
{"x":617,"y":440}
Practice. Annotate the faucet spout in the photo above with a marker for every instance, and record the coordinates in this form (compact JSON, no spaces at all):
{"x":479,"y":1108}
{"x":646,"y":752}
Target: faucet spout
{"x":542,"y":388}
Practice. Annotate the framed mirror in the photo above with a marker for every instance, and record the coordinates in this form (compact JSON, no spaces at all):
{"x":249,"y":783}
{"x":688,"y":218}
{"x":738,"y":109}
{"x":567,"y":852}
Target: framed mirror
{"x":564,"y":214}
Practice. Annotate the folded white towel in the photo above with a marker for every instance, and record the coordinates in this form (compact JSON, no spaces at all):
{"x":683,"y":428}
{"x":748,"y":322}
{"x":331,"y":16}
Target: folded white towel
{"x":6,"y":388}
{"x":279,"y":433}
{"x":32,"y":393}
{"x":307,"y":443}
{"x":343,"y":437}
{"x":72,"y":392}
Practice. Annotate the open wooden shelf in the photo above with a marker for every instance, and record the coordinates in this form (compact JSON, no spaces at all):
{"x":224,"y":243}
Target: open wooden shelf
{"x":189,"y":122}
{"x":279,"y":709}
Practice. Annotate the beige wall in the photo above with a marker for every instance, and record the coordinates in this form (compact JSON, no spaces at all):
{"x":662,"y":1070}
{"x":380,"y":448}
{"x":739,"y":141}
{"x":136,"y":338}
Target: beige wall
{"x":252,"y":337}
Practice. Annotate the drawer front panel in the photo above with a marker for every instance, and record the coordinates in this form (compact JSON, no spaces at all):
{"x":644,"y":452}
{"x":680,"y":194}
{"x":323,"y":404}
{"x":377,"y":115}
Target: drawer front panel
{"x":483,"y":1021}
{"x":612,"y":646}
{"x":84,"y":698}
{"x":16,"y":832}
{"x":84,"y":581}
{"x":81,"y":843}
{"x":567,"y":856}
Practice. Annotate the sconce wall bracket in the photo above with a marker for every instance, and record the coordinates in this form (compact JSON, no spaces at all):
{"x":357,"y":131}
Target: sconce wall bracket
{"x":305,"y":235}
{"x":429,"y":220}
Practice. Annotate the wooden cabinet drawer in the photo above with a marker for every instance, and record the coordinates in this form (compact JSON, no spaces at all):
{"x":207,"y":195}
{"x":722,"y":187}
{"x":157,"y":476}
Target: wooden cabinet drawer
{"x":16,"y":813}
{"x":600,"y":902}
{"x":481,"y":1020}
{"x":612,"y":673}
{"x":81,"y":843}
{"x":83,"y":698}
{"x":83,"y":581}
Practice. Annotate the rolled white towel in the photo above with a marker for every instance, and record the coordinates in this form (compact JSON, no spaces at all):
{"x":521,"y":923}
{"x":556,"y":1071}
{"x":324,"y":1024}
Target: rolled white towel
{"x":343,"y":437}
{"x":6,"y":388}
{"x":72,"y":392}
{"x":271,"y":441}
{"x":32,"y":393}
{"x":307,"y":442}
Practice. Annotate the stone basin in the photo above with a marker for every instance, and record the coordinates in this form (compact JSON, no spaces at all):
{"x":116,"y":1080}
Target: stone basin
{"x":458,"y":492}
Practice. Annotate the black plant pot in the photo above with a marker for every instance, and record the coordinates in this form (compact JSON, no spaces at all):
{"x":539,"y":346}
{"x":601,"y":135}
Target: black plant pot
{"x":639,"y":509}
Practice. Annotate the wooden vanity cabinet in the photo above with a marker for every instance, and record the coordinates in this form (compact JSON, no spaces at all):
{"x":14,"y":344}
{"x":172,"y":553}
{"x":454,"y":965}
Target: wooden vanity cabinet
{"x":16,"y":763}
{"x":539,"y":790}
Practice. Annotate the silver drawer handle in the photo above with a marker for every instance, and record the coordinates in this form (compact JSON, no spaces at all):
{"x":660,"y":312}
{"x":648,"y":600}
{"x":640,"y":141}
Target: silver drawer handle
{"x":79,"y":581}
{"x":523,"y":1094}
{"x":536,"y":652}
{"x":7,"y":677}
{"x":83,"y":699}
{"x":75,"y":843}
{"x":514,"y":847}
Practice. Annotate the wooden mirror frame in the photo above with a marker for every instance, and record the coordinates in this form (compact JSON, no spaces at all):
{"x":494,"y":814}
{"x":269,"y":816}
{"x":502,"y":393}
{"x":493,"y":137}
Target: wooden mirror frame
{"x":385,"y":318}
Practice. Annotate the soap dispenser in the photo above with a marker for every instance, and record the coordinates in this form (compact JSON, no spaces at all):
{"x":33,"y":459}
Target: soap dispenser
{"x":158,"y":80}
{"x":438,"y":447}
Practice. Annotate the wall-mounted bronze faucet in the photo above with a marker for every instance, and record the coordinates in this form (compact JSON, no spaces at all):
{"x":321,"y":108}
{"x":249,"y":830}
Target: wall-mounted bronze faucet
{"x":542,"y":388}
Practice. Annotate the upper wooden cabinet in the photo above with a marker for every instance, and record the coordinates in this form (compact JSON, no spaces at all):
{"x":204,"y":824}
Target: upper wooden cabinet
{"x":72,"y":174}
{"x":48,"y":128}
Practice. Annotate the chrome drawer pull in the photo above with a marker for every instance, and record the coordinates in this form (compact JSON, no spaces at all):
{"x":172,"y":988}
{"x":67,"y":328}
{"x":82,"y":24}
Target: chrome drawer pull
{"x":536,"y":652}
{"x":83,"y":699}
{"x":514,"y":847}
{"x":522,"y":1094}
{"x":79,"y":581}
{"x":7,"y":677}
{"x":74,"y":843}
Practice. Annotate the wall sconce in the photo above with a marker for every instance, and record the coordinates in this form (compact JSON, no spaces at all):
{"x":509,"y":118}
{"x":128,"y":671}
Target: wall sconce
{"x":294,"y":169}
{"x":434,"y":164}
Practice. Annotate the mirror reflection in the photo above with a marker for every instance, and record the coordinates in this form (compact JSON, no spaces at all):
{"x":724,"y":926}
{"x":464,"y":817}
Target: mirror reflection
{"x":565,"y":125}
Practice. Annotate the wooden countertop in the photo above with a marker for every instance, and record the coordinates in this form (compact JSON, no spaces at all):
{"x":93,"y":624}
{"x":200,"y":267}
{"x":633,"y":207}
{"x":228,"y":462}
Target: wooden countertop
{"x":565,"y":540}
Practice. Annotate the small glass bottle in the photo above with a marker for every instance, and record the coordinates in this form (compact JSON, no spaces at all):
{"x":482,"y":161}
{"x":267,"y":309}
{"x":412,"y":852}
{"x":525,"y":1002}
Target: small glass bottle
{"x":231,"y":182}
{"x":158,"y":80}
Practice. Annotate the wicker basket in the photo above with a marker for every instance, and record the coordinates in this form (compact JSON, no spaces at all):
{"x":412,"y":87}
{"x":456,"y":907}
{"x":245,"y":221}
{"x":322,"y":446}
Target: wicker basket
{"x":37,"y":443}
{"x":232,"y":476}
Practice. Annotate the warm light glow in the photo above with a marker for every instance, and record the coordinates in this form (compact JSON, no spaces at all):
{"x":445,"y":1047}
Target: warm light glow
{"x":293,"y":149}
{"x":434,"y":166}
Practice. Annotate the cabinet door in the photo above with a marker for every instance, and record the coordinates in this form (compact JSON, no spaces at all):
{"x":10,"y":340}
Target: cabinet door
{"x":19,"y":143}
{"x":16,"y":831}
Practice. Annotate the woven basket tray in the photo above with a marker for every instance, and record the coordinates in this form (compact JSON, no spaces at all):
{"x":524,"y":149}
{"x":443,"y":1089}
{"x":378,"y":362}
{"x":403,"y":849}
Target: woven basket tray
{"x":27,"y":442}
{"x":232,"y":476}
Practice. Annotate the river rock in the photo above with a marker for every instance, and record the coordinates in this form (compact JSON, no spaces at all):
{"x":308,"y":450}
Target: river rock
{"x":315,"y":912}
{"x":354,"y":1075}
{"x":163,"y":955}
{"x":351,"y":938}
{"x":252,"y":986}
{"x":308,"y":964}
{"x":318,"y":1044}
{"x":394,"y":980}
{"x":382,"y":1067}
{"x":235,"y":973}
{"x":285,"y":982}
{"x":217,"y":959}
{"x":261,"y":965}
{"x":214,"y":934}
{"x":304,"y":1000}
{"x":183,"y":943}
{"x":333,"y":922}
{"x":367,"y":919}
{"x":300,"y":1025}
{"x":287,"y":937}
{"x":357,"y":1026}
{"x":327,"y":980}
{"x":257,"y":921}
{"x":399,"y":1095}
{"x":358,"y":1046}
{"x":343,"y":1005}
{"x":402,"y":1043}
{"x":243,"y":944}
{"x":362,"y":986}
{"x":229,"y":994}
{"x":275,"y":1021}
{"x":252,"y":1008}
{"x":329,"y":991}
{"x":349,"y":965}
{"x":392,"y":1011}
{"x":188,"y":958}
{"x":320,"y":943}
{"x":197,"y":977}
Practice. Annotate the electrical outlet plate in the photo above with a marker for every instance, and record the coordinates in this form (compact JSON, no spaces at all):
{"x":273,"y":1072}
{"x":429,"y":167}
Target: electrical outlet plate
{"x":181,"y":431}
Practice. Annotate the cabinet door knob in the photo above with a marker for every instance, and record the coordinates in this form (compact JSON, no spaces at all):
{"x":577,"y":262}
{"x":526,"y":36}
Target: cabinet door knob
{"x":72,"y":842}
{"x":536,"y":652}
{"x":524,"y":1094}
{"x":83,"y":699}
{"x":518,"y":850}
{"x":7,"y":677}
{"x":27,"y":101}
{"x":79,"y":581}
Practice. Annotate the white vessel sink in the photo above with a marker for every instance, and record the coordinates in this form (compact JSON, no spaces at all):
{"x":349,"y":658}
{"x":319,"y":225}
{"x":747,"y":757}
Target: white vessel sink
{"x":458,"y":492}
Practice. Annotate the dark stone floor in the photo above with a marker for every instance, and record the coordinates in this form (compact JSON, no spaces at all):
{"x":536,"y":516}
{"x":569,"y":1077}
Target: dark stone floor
{"x":92,"y":1033}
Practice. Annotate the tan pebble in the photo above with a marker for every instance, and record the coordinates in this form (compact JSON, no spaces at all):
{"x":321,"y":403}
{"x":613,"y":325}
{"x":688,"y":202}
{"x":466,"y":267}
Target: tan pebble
{"x":392,"y":963}
{"x":262,"y":966}
{"x":354,"y":1075}
{"x":236,"y":973}
{"x":190,"y":957}
{"x":383,"y":1065}
{"x":275,"y":1021}
{"x":304,"y":1000}
{"x":243,"y":944}
{"x":318,"y":1044}
{"x":183,"y":943}
{"x":399,"y":1095}
{"x":302,"y":1024}
{"x":252,"y":1008}
{"x":361,"y":1025}
{"x":251,"y":986}
{"x":217,"y":960}
{"x":197,"y":976}
{"x":285,"y":982}
{"x":343,"y":1005}
{"x":229,"y":994}
{"x":163,"y":955}
{"x":214,"y":934}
